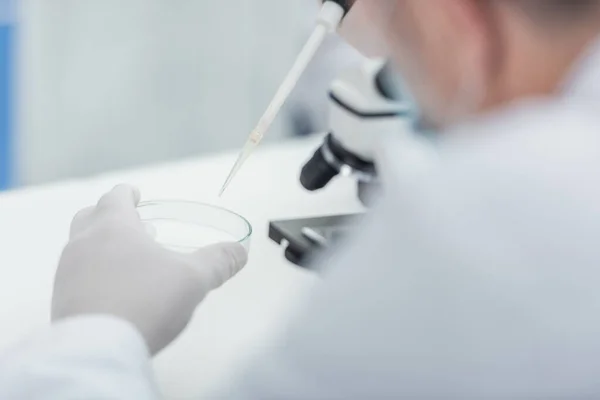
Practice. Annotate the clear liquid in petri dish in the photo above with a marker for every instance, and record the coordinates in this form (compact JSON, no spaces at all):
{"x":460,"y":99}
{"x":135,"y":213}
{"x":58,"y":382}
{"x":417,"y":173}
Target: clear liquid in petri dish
{"x":185,"y":237}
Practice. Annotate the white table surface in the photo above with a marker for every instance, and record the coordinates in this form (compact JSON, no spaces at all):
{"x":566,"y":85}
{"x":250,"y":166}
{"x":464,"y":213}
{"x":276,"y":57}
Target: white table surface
{"x":234,"y":321}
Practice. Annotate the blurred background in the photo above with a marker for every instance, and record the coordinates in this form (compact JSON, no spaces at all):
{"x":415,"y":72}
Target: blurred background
{"x":88,"y":86}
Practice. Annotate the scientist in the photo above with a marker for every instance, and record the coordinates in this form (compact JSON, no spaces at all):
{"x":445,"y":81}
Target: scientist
{"x":476,"y":277}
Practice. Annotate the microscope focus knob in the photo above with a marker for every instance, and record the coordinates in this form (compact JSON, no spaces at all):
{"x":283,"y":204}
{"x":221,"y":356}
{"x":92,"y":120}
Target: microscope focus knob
{"x":317,"y":172}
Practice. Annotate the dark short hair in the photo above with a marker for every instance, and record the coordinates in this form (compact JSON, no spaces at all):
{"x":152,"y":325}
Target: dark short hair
{"x":560,"y":10}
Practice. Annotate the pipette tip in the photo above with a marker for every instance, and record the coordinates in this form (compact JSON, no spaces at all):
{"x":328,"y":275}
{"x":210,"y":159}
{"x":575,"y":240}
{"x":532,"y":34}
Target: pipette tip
{"x":224,"y":187}
{"x":331,"y":10}
{"x":231,"y":175}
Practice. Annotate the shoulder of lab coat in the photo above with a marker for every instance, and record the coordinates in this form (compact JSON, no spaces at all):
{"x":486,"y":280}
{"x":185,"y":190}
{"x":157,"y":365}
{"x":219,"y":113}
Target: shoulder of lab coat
{"x":70,"y":360}
{"x":476,"y":276}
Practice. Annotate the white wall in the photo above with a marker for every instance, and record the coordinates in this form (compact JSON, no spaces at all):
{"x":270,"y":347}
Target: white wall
{"x":112,"y":83}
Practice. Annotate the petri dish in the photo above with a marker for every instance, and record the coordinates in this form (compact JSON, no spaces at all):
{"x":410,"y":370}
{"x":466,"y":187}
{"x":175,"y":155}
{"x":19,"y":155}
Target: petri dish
{"x":186,"y":226}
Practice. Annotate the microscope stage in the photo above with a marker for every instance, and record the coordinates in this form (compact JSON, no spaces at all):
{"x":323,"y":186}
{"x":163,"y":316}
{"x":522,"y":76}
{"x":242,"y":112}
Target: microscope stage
{"x":305,"y":238}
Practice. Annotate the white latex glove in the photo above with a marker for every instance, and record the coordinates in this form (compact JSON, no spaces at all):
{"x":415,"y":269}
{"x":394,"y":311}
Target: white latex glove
{"x":112,"y":266}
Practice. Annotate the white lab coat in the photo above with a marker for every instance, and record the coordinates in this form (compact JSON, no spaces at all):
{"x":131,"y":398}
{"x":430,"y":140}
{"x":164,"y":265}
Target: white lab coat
{"x":478,"y":277}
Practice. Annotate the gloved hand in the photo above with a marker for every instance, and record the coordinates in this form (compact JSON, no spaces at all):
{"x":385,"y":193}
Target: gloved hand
{"x":112,"y":266}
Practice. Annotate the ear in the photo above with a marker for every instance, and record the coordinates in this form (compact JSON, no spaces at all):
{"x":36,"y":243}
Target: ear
{"x":478,"y":33}
{"x":473,"y":21}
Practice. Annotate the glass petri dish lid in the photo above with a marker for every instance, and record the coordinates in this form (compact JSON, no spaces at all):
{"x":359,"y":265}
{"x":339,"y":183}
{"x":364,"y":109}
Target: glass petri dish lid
{"x":186,"y":226}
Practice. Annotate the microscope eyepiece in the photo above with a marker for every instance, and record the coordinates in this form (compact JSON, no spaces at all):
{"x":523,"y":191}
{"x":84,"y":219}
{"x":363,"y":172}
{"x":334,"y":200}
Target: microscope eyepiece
{"x":386,"y":82}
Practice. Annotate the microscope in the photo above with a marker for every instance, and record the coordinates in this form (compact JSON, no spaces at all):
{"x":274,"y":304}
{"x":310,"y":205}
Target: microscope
{"x":364,"y":105}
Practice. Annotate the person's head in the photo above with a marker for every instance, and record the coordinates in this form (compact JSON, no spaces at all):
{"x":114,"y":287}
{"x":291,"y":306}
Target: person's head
{"x":462,"y":57}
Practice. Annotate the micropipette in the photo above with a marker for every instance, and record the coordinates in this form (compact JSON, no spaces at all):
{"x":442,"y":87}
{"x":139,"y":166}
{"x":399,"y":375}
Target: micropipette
{"x":329,"y":19}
